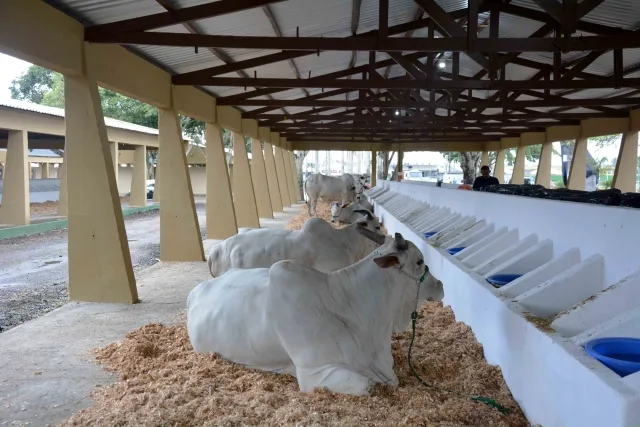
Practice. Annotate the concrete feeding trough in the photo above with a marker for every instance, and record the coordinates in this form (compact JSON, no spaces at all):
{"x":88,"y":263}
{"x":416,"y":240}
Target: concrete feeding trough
{"x":499,"y":280}
{"x":621,"y":355}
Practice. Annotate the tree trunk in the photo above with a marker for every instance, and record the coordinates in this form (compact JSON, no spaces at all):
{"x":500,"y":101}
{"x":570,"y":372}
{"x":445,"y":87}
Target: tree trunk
{"x":469,"y":163}
{"x":300,"y":155}
{"x":386,"y":157}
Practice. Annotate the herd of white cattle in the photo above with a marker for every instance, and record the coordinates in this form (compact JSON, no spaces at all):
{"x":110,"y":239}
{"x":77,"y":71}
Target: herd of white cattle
{"x":318,"y":303}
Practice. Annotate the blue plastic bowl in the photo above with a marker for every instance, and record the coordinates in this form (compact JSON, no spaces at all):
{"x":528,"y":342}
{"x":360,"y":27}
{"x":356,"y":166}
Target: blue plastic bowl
{"x":454,"y":251}
{"x":499,"y":280}
{"x":621,"y":355}
{"x":429,"y":234}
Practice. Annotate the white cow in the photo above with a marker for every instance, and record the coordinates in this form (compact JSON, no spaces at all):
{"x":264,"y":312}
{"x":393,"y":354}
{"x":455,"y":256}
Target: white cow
{"x":362,"y":199}
{"x":317,"y":244}
{"x":329,"y":330}
{"x":351,"y":213}
{"x":329,"y":188}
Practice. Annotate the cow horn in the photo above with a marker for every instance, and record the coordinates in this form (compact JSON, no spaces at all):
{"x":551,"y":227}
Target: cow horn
{"x":365,"y":212}
{"x":400,"y":243}
{"x":378,"y":238}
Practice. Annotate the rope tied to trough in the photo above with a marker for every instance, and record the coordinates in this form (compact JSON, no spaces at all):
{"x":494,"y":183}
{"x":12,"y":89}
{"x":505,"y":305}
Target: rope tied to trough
{"x":414,"y":317}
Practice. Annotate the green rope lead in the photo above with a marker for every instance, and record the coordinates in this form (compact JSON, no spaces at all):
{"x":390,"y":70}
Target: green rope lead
{"x":482,"y":399}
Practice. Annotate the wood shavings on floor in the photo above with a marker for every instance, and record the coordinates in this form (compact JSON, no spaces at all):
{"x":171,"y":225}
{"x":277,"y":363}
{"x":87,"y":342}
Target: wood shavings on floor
{"x":162,"y":382}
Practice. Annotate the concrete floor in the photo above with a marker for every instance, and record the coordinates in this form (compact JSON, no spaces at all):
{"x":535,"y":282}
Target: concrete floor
{"x":46,"y":370}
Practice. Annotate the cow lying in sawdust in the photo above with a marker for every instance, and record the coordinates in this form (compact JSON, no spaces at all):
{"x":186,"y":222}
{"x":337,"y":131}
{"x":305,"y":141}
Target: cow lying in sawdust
{"x":329,"y":330}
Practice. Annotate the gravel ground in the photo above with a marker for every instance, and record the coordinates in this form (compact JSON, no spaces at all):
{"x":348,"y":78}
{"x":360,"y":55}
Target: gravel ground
{"x":33,"y":269}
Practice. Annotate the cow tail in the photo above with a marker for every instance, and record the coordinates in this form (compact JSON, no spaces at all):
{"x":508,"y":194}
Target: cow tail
{"x":306,"y":200}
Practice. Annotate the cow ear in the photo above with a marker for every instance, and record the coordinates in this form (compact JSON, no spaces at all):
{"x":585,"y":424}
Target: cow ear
{"x":345,"y":205}
{"x":387,"y":261}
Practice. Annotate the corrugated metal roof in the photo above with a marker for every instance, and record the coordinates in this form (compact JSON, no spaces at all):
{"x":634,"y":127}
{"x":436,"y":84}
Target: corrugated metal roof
{"x":105,"y":11}
{"x":59,"y":112}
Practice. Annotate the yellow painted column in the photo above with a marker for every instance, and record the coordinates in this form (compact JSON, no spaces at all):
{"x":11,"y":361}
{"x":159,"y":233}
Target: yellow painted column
{"x":259,"y":178}
{"x":14,"y":209}
{"x":115,"y":155}
{"x":221,"y":215}
{"x":45,"y":170}
{"x":499,"y":169}
{"x":484,"y":160}
{"x":624,"y":177}
{"x":63,"y":200}
{"x":243,"y":194}
{"x":282,"y":177}
{"x":543,"y":175}
{"x":518,"y":167}
{"x":578,"y":171}
{"x":374,"y":168}
{"x":139,"y":177}
{"x":180,"y":238}
{"x":289,"y":173}
{"x":272,"y":178}
{"x":296,"y":177}
{"x":100,"y":267}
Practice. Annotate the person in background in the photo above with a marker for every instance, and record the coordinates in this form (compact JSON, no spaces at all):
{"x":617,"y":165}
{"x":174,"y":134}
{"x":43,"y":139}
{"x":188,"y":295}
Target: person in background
{"x":484,"y":179}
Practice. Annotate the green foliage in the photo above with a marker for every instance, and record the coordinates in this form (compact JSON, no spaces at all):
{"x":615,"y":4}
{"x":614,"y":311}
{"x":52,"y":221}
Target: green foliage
{"x":32,"y":85}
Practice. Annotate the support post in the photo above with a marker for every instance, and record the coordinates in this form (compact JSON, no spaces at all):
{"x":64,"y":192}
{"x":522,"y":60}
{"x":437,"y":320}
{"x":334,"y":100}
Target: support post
{"x":180,"y":238}
{"x":156,"y":177}
{"x":63,"y":200}
{"x":398,"y":176}
{"x":44,"y":167}
{"x":578,"y":170}
{"x":272,"y":178}
{"x":259,"y":178}
{"x":221,"y":214}
{"x":624,"y":177}
{"x":543,"y":175}
{"x":517,"y":177}
{"x":139,"y":177}
{"x":498,"y":172}
{"x":374,"y":168}
{"x":243,"y":193}
{"x":14,"y":209}
{"x":115,"y":157}
{"x":100,"y":267}
{"x":484,"y":160}
{"x":282,"y":178}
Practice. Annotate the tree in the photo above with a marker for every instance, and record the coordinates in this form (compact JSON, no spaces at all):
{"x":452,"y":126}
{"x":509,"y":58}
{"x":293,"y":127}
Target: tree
{"x":32,"y":85}
{"x":469,"y":163}
{"x":300,"y":156}
{"x":386,"y":157}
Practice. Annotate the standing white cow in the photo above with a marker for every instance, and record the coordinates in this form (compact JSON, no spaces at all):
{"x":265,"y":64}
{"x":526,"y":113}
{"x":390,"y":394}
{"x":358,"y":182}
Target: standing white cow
{"x":317,"y":244}
{"x":330,"y":189}
{"x":329,"y":330}
{"x":362,"y":200}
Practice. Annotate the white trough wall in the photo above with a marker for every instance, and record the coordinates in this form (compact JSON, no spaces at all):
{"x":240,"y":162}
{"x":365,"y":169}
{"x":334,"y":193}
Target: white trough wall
{"x":549,"y":374}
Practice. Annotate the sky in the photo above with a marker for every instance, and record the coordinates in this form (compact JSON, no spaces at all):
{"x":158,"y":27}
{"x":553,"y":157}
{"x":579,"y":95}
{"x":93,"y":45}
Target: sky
{"x":11,"y":67}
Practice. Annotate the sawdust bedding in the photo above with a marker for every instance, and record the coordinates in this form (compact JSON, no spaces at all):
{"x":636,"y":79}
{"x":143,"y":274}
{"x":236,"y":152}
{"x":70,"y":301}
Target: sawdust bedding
{"x":162,"y":382}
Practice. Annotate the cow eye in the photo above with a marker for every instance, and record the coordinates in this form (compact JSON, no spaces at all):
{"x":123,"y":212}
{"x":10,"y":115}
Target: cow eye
{"x":420,"y":262}
{"x":377,"y":228}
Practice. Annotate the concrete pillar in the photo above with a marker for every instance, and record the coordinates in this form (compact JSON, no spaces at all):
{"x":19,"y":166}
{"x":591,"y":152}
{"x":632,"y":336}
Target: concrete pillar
{"x":578,"y":171}
{"x":115,"y":156}
{"x":517,"y":177}
{"x":180,"y":238}
{"x":45,"y":171}
{"x":139,"y":177}
{"x":63,"y":200}
{"x":272,"y":178}
{"x":328,"y":162}
{"x":343,"y":169}
{"x":100,"y":267}
{"x":289,"y":173}
{"x":624,"y":177}
{"x":282,"y":178}
{"x":243,"y":194}
{"x":374,"y":167}
{"x":350,"y":168}
{"x":498,"y":171}
{"x":260,"y":183}
{"x":543,"y":175}
{"x":221,"y":214}
{"x":14,"y":209}
{"x":484,"y":160}
{"x":317,"y":161}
